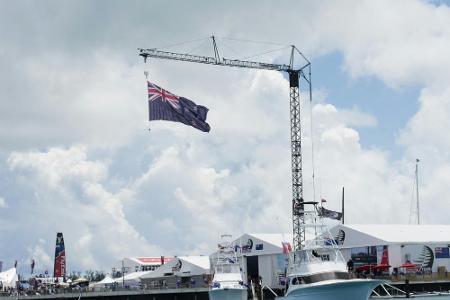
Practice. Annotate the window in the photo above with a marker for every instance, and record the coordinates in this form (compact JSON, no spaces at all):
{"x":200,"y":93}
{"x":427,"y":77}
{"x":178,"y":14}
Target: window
{"x":325,"y":257}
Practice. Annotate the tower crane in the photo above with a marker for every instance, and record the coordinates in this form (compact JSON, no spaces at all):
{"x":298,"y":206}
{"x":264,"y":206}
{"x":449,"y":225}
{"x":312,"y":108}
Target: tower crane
{"x":295,"y":74}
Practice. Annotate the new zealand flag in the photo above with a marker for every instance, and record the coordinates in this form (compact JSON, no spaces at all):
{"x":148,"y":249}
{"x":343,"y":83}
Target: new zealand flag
{"x":164,"y":105}
{"x":326,"y":213}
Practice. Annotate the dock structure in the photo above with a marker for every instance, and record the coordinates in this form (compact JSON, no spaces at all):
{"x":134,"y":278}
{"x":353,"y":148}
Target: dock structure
{"x":137,"y":294}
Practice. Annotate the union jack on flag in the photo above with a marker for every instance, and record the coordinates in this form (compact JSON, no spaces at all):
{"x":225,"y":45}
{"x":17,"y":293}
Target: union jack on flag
{"x":157,"y":93}
{"x":163,"y":105}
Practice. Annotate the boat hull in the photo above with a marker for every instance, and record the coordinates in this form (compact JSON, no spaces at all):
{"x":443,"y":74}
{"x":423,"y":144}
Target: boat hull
{"x":228,"y":294}
{"x":356,"y":289}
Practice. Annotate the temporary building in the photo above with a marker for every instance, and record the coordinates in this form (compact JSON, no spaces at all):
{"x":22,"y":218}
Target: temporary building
{"x":132,"y":279}
{"x":104,"y":283}
{"x":262,"y":257}
{"x":421,"y":247}
{"x":144,"y":263}
{"x":9,"y":278}
{"x":190,"y":271}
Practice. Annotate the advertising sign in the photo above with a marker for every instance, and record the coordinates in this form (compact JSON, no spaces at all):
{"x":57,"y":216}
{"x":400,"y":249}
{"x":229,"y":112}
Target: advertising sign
{"x":441,"y":252}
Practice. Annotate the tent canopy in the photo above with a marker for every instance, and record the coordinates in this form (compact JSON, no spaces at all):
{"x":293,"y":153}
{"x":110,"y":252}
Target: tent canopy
{"x":9,"y":278}
{"x":106,"y":280}
{"x":182,"y":266}
{"x":135,"y":276}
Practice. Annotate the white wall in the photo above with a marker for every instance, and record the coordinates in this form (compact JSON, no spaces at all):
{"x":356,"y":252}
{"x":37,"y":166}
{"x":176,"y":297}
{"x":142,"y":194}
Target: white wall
{"x":395,"y":256}
{"x":397,"y":253}
{"x":243,"y":261}
{"x":415,"y":251}
{"x":346,"y":253}
{"x":129,"y":264}
{"x":265,"y":267}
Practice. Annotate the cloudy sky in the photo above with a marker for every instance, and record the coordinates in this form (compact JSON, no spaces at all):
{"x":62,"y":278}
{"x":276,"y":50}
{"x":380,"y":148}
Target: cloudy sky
{"x":77,"y":156}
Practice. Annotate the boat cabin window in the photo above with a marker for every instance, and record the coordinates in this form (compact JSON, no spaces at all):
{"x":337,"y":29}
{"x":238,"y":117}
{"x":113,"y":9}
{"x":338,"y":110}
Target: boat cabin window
{"x":325,"y":257}
{"x":297,"y":280}
{"x":228,"y":269}
{"x":319,"y":277}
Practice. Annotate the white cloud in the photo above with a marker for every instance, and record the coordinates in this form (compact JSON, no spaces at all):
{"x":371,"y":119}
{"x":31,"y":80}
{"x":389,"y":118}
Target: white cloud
{"x":3,"y":203}
{"x":41,"y":256}
{"x":388,"y":40}
{"x":58,"y":165}
{"x":374,"y":186}
{"x":425,"y":133}
{"x":72,"y":199}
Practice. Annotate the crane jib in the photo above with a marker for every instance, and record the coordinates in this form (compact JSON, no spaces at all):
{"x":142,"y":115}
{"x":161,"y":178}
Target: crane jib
{"x":212,"y":60}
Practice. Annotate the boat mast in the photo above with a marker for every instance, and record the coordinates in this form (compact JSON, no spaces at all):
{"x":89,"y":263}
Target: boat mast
{"x":417,"y":191}
{"x":343,"y":204}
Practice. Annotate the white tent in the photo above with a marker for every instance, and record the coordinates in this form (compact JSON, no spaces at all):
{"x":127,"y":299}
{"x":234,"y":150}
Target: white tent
{"x":183,"y":266}
{"x":105,"y":281}
{"x":132,"y":279}
{"x":9,"y":278}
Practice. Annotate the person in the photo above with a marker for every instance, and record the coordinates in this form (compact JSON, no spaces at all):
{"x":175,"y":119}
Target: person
{"x":350,"y":265}
{"x":350,"y":268}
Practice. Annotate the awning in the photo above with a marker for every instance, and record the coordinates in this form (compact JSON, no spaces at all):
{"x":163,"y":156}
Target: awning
{"x":409,"y":266}
{"x":381,"y":267}
{"x":365,"y":268}
{"x":373,"y":267}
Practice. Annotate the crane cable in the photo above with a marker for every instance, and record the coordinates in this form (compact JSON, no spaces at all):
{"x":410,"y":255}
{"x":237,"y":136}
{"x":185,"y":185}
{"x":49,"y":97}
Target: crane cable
{"x":265,"y":52}
{"x":411,"y":204}
{"x":312,"y":134}
{"x":182,"y":43}
{"x":253,"y":41}
{"x":230,"y":39}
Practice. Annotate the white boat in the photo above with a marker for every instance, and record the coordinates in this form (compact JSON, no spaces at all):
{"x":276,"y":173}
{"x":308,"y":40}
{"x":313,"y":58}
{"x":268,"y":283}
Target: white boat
{"x":228,"y":283}
{"x":318,"y":270}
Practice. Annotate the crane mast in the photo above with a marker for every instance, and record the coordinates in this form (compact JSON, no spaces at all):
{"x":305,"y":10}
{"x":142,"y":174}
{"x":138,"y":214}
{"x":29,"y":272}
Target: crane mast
{"x":298,"y":211}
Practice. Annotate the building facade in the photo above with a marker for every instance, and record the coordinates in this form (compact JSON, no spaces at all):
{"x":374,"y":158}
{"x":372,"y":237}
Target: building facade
{"x":408,"y":248}
{"x":140,"y":264}
{"x":262,"y":258}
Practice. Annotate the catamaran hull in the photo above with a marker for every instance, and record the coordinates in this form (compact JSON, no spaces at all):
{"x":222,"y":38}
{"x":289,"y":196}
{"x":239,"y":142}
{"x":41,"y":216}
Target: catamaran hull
{"x":335,"y":290}
{"x":228,"y":294}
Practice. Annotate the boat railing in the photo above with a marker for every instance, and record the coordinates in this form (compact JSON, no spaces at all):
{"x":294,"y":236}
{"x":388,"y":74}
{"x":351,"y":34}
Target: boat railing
{"x":387,"y":290}
{"x":266,"y":287}
{"x":230,"y":284}
{"x":318,"y":254}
